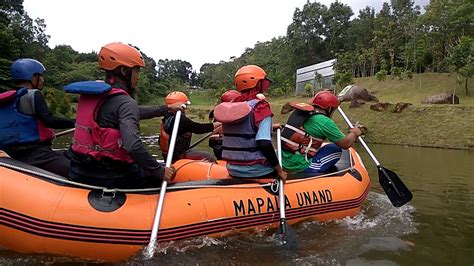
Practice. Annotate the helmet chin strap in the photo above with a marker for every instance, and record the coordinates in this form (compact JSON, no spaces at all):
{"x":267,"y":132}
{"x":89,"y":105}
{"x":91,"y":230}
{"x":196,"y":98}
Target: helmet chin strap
{"x":330,"y":111}
{"x":35,"y":86}
{"x":123,"y":76}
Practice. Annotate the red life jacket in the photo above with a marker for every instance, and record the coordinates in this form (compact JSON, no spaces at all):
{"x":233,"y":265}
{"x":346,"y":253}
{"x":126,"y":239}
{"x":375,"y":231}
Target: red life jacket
{"x":164,"y":139}
{"x":293,"y":136}
{"x":183,"y":139}
{"x":90,"y":138}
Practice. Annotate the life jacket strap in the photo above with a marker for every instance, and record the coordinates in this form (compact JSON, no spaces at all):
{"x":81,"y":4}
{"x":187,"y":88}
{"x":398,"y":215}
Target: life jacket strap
{"x":86,"y":129}
{"x":249,"y":149}
{"x":299,"y":146}
{"x":93,"y":147}
{"x":302,"y":132}
{"x":245,"y":136}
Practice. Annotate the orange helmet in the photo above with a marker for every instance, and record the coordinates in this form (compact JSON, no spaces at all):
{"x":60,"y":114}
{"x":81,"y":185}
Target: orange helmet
{"x":325,"y":100}
{"x":229,"y":96}
{"x":118,"y":54}
{"x":247,"y":77}
{"x":176,"y":97}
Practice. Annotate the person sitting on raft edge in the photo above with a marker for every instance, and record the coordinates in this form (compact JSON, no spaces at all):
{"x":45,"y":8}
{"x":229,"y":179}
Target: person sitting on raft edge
{"x":306,"y":129}
{"x":107,"y":149}
{"x":247,"y":125}
{"x":185,"y":130}
{"x":26,"y":124}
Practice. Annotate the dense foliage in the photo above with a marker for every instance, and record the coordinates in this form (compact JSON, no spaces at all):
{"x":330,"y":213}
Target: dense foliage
{"x":398,"y":40}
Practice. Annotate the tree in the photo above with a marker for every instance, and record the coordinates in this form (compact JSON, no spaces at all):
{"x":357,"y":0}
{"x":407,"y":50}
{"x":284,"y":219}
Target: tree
{"x":343,"y":78}
{"x":462,"y":60}
{"x":306,"y":35}
{"x":381,"y":75}
{"x":309,"y":89}
{"x":175,"y":69}
{"x":336,"y":21}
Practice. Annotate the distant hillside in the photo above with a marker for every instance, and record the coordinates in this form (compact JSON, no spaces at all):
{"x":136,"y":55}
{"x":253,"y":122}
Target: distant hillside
{"x":442,"y":126}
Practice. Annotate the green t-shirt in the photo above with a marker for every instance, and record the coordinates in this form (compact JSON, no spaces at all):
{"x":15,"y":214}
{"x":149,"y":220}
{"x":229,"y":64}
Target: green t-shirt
{"x":318,"y":126}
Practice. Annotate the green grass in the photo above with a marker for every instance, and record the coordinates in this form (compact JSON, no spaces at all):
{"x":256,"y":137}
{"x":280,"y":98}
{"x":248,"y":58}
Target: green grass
{"x":441,"y":126}
{"x":415,"y":89}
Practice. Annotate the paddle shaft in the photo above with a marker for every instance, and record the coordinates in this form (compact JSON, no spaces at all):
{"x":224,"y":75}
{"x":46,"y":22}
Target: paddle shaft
{"x":281,"y":192}
{"x":377,"y":163}
{"x":65,"y":132}
{"x":202,"y":139}
{"x":361,"y":140}
{"x":150,"y":250}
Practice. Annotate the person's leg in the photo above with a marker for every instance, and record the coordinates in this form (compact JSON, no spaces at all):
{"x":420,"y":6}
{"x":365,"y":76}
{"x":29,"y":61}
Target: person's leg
{"x":198,"y":155}
{"x":326,"y":158}
{"x":57,"y":164}
{"x":44,"y":157}
{"x":216,"y":145}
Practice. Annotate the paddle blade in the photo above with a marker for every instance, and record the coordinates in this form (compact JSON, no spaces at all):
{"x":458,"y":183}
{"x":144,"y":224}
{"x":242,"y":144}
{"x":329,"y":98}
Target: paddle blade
{"x":287,"y":236}
{"x":393,"y":186}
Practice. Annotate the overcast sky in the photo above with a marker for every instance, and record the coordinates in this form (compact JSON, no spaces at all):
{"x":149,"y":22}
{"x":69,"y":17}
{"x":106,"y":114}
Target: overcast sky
{"x":198,"y":31}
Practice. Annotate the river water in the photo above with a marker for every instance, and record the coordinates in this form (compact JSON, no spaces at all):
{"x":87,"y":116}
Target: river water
{"x":436,"y":228}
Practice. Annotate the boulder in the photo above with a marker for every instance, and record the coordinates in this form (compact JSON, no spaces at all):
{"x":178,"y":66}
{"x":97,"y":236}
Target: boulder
{"x":356,"y":95}
{"x":441,"y":98}
{"x":399,"y":107}
{"x":379,"y":107}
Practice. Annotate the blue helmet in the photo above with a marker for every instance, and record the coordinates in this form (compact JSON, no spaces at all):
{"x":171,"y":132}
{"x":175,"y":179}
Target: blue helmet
{"x":24,"y":69}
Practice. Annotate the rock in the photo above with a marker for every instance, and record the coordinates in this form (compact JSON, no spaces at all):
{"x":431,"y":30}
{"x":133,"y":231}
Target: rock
{"x":399,"y":107}
{"x":356,"y":103}
{"x":441,"y":98}
{"x":380,"y":106}
{"x":356,"y":95}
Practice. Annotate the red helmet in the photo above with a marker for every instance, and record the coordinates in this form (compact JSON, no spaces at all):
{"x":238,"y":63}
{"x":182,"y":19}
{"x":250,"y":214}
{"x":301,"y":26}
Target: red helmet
{"x":118,"y":54}
{"x":247,"y":77}
{"x":229,"y":96}
{"x":325,"y":100}
{"x":176,"y":97}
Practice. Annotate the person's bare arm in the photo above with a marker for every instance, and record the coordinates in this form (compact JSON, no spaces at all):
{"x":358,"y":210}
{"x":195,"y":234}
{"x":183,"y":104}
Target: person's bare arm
{"x":350,"y":138}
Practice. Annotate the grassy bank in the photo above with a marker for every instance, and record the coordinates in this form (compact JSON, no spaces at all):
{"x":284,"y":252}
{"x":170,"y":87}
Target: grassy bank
{"x":441,"y":126}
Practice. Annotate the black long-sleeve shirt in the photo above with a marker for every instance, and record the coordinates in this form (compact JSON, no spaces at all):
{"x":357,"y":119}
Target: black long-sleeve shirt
{"x":187,"y":125}
{"x":147,"y":112}
{"x":38,"y":108}
{"x":122,"y":112}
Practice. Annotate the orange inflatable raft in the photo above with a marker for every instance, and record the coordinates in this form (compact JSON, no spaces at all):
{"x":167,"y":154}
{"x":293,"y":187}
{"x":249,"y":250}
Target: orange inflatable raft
{"x":44,"y":213}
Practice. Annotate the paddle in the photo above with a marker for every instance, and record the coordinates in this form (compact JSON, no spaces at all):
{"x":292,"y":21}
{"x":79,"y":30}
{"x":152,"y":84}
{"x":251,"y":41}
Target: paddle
{"x":287,"y":236}
{"x":150,"y":249}
{"x":65,"y":132}
{"x":202,"y":139}
{"x":393,"y":186}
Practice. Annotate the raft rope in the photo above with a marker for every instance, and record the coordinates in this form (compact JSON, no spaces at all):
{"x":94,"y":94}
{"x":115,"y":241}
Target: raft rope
{"x":211,"y":164}
{"x":61,"y":179}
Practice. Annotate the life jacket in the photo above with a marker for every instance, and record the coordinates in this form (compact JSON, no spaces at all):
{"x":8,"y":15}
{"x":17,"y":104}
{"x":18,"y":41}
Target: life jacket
{"x":239,"y":145}
{"x":89,"y":137}
{"x":17,"y":128}
{"x":183,"y":141}
{"x":293,"y":136}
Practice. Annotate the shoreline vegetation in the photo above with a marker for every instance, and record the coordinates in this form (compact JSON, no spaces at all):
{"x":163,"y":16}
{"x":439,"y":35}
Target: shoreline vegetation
{"x":422,"y":125}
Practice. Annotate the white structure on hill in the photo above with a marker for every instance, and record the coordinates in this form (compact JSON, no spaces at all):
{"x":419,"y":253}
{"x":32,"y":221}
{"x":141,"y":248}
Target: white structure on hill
{"x":309,"y":75}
